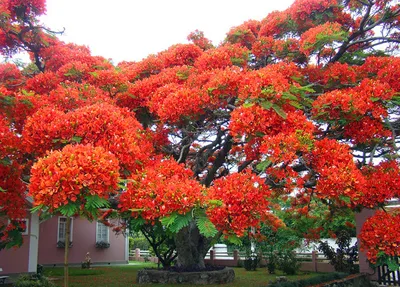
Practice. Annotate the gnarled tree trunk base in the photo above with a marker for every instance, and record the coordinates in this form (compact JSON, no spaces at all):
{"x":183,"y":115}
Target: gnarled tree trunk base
{"x":223,"y":276}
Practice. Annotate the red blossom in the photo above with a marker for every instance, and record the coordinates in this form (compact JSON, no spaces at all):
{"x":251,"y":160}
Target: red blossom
{"x":161,"y":189}
{"x":244,"y":199}
{"x":380,"y":235}
{"x":72,"y":174}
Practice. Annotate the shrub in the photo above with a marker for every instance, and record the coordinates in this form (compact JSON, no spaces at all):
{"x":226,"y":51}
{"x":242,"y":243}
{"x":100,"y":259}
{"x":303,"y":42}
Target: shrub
{"x":287,"y":262}
{"x":343,"y":260}
{"x":271,"y":265}
{"x":310,"y":281}
{"x":33,"y":281}
{"x":250,"y":264}
{"x":138,"y":242}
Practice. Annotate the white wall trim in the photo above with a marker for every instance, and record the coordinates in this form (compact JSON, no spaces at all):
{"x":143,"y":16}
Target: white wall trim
{"x":33,"y":243}
{"x":126,"y":245}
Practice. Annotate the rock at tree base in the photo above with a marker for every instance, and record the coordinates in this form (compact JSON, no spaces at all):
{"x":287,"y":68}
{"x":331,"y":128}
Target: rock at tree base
{"x":225,"y":275}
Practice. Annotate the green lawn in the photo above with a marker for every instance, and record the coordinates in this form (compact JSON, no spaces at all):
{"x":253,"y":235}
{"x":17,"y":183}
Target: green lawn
{"x":126,"y":276}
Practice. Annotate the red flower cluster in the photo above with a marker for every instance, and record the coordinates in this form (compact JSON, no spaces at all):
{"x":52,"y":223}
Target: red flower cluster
{"x":12,"y":199}
{"x":244,"y":34}
{"x":382,"y":183}
{"x":42,"y":83}
{"x":198,"y":38}
{"x":72,"y":174}
{"x":160,"y":190}
{"x":222,"y":57}
{"x":380,"y":235}
{"x":100,"y":124}
{"x":244,"y":198}
{"x":324,"y":34}
{"x":338,"y":177}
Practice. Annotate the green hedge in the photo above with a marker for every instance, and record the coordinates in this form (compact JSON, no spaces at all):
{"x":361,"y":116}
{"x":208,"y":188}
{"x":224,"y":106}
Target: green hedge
{"x":310,"y":281}
{"x":138,"y":242}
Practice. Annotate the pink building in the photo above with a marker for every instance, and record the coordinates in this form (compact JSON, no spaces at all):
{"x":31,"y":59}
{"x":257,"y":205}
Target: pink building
{"x":23,"y":259}
{"x":43,"y":244}
{"x":361,"y":217}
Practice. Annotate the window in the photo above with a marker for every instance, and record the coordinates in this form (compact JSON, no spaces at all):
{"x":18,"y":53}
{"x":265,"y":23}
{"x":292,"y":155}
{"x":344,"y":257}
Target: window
{"x":102,"y":234}
{"x":62,"y":229}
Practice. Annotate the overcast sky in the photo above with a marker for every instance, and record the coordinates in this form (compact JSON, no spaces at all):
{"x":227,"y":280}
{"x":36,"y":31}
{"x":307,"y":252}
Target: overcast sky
{"x":131,"y":30}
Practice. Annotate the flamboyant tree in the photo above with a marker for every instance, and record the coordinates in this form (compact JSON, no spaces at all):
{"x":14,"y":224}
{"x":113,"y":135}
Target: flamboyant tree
{"x":79,"y":179}
{"x":300,"y":109}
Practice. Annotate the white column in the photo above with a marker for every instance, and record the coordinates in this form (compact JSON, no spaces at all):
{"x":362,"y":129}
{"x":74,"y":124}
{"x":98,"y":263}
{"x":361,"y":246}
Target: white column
{"x":127,"y":246}
{"x":33,"y":243}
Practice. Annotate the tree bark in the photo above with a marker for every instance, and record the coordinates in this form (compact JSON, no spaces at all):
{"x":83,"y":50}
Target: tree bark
{"x":191,"y":247}
{"x":66,"y":249}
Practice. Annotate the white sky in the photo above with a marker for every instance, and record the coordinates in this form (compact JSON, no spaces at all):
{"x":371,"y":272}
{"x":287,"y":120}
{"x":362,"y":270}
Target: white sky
{"x":131,"y":30}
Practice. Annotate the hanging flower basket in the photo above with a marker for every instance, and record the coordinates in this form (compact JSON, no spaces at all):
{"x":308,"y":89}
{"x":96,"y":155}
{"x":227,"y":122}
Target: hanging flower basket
{"x":102,"y":244}
{"x":61,"y":244}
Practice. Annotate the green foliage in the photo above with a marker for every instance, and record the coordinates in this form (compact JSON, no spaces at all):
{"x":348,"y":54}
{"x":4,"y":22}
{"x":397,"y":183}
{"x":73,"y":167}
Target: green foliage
{"x":266,"y":104}
{"x":344,"y":258}
{"x":168,"y":220}
{"x":33,"y":281}
{"x":14,"y":238}
{"x":310,"y":281}
{"x":329,"y":218}
{"x":94,"y":203}
{"x":250,"y":264}
{"x":56,"y":271}
{"x":138,"y":242}
{"x":69,"y":209}
{"x":287,"y":262}
{"x":206,"y":227}
{"x":176,"y":222}
{"x":136,"y":224}
{"x":391,"y":262}
{"x":263,"y":165}
{"x":233,"y":239}
{"x":271,"y":264}
{"x":282,"y":239}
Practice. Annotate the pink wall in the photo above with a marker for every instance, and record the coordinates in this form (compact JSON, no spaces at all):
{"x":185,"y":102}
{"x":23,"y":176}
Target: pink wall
{"x":84,"y":240}
{"x":16,"y":260}
{"x":361,"y":217}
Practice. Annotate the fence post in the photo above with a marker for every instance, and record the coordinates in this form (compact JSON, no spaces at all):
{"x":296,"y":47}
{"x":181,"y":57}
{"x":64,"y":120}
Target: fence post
{"x":212,"y":257}
{"x":236,"y":256}
{"x":314,"y":256}
{"x":137,"y":254}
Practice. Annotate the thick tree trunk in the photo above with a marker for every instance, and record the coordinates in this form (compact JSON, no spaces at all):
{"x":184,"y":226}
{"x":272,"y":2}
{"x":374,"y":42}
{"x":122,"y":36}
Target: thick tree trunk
{"x":191,"y":247}
{"x":67,"y":232}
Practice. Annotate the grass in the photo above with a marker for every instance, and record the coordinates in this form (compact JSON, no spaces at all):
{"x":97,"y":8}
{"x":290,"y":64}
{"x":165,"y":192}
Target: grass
{"x":110,"y":276}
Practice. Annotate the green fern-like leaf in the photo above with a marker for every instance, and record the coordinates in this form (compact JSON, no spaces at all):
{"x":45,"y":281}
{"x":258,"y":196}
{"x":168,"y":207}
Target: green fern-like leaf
{"x":234,"y":239}
{"x":37,"y":208}
{"x":95,"y":202}
{"x":135,"y":224}
{"x":181,"y":221}
{"x":167,"y":221}
{"x":279,"y":111}
{"x":69,"y":209}
{"x":206,"y":227}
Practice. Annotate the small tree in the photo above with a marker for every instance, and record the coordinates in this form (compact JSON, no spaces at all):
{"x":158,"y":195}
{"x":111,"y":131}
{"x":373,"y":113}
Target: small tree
{"x":77,"y":180}
{"x":345,"y":256}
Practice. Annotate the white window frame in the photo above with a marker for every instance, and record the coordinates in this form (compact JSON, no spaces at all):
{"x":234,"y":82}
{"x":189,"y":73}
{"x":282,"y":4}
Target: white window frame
{"x":58,"y":229}
{"x":97,"y":232}
{"x":26,"y":231}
